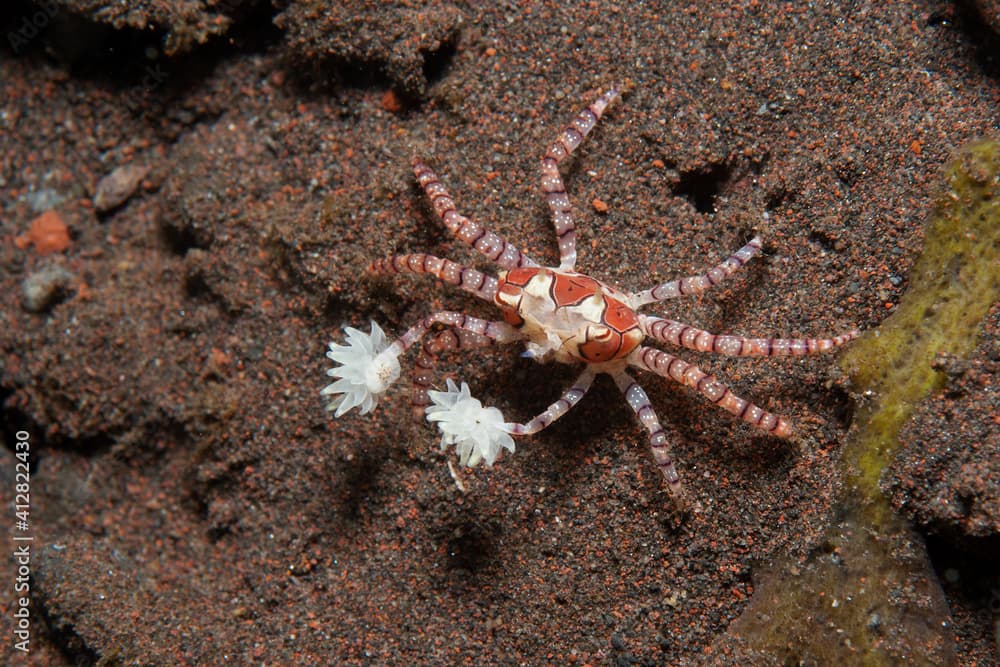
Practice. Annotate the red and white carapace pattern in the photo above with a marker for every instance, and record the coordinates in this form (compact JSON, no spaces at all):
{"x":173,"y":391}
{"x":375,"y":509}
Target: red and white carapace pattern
{"x":572,"y":318}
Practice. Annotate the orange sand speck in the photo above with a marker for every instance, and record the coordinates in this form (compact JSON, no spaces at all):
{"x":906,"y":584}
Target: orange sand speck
{"x":48,"y":233}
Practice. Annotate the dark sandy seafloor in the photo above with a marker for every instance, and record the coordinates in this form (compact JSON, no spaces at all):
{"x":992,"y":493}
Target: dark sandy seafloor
{"x":164,"y":327}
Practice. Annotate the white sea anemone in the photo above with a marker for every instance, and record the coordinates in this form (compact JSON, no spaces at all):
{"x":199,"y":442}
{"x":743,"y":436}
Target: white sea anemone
{"x":478,"y":433}
{"x":368,"y":366}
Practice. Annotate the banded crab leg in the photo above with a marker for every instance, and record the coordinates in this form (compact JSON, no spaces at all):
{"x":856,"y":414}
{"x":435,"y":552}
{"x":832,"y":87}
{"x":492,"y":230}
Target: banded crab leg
{"x":668,"y":366}
{"x":501,"y":332}
{"x":698,"y":283}
{"x":682,"y":335}
{"x":565,"y":403}
{"x":637,"y":399}
{"x":442,"y":342}
{"x":465,"y":331}
{"x":478,"y":433}
{"x":476,"y":282}
{"x":565,"y":143}
{"x":489,"y":244}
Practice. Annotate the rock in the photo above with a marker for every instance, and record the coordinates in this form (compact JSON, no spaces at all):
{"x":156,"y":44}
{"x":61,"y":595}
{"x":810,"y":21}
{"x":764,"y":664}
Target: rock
{"x":944,"y":476}
{"x":114,"y":189}
{"x":401,"y":39}
{"x":45,"y":288}
{"x":48,"y":233}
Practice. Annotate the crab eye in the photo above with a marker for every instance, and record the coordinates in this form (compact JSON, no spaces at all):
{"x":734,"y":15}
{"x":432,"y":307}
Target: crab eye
{"x":600,"y":344}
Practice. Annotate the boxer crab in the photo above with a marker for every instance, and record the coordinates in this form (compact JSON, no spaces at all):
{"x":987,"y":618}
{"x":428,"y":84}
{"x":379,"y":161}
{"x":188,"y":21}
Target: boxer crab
{"x":561,"y":315}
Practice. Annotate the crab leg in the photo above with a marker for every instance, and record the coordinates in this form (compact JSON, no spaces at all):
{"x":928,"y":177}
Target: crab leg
{"x":669,"y":366}
{"x":699,"y":283}
{"x":501,"y":332}
{"x":448,"y":340}
{"x":569,"y":398}
{"x":470,"y":332}
{"x":447,"y":271}
{"x":552,"y":184}
{"x":682,"y":335}
{"x":489,"y":244}
{"x":639,"y":402}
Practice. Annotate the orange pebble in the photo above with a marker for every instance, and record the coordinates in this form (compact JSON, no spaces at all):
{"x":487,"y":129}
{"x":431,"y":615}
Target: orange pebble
{"x":599,"y":206}
{"x":48,"y":233}
{"x":391,"y":102}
